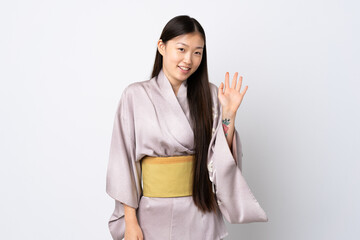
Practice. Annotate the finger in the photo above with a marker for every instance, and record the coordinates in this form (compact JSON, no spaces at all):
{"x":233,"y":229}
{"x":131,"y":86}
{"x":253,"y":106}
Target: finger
{"x":221,"y":89}
{"x":233,"y":83}
{"x":238,"y":86}
{"x":226,"y":80}
{"x":244,"y":91}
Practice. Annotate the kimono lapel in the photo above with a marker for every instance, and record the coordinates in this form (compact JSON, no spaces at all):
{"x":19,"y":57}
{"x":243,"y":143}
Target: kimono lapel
{"x":176,"y":111}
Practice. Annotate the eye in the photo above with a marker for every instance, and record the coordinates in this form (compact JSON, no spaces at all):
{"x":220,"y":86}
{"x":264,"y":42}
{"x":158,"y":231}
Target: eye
{"x":199,"y":53}
{"x":181,"y":49}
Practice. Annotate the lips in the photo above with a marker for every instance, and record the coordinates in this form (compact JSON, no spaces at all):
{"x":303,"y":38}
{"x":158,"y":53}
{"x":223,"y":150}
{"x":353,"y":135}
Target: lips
{"x":184,"y":69}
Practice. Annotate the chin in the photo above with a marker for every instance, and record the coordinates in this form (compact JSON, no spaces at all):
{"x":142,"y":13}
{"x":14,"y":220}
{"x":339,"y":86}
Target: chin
{"x":181,"y":79}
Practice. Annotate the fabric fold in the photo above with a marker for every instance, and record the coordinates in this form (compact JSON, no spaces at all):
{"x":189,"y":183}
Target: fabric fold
{"x":123,"y":177}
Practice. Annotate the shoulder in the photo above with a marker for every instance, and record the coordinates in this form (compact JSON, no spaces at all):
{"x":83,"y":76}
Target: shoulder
{"x":135,"y":89}
{"x":130,"y":97}
{"x":215,"y":100}
{"x":213,"y":88}
{"x":214,"y":92}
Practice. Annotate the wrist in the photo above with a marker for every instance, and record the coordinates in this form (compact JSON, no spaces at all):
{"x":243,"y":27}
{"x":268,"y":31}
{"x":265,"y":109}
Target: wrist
{"x":131,"y":221}
{"x":228,"y":114}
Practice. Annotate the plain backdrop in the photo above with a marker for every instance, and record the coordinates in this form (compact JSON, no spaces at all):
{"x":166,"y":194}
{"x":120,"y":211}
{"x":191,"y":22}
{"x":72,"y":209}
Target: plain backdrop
{"x":64,"y":65}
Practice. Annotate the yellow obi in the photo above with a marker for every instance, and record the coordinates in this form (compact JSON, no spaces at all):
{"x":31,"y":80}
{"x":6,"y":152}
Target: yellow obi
{"x":167,"y":176}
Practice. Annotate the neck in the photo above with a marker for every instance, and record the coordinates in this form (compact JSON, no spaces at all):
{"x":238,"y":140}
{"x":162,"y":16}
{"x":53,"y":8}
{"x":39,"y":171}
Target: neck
{"x":174,"y":83}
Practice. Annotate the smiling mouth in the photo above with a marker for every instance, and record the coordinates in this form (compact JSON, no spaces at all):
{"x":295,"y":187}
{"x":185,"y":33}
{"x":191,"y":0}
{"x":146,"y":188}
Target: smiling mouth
{"x":184,"y":68}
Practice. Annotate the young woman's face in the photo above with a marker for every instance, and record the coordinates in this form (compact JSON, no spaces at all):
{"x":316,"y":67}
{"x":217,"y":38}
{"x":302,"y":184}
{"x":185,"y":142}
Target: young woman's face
{"x":181,"y":56}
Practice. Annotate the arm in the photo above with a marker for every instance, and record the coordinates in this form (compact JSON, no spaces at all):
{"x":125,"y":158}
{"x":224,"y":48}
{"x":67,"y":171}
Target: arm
{"x":130,"y":215}
{"x":230,"y":98}
{"x":132,"y":227}
{"x":234,"y":197}
{"x":228,"y":124}
{"x":123,"y":176}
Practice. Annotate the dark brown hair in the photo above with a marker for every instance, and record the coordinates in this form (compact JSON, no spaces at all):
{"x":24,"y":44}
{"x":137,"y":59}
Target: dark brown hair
{"x":200,"y":104}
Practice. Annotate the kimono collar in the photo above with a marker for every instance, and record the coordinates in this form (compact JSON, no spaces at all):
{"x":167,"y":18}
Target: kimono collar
{"x":175,"y":109}
{"x":167,"y":89}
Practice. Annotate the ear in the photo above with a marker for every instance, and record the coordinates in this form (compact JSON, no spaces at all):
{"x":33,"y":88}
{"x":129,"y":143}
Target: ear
{"x":161,"y":47}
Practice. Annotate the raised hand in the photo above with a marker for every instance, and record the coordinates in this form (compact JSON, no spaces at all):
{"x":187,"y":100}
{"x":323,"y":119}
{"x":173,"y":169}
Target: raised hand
{"x":231,"y":97}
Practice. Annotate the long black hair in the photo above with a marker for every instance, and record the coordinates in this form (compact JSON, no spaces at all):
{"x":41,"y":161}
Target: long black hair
{"x":200,"y":104}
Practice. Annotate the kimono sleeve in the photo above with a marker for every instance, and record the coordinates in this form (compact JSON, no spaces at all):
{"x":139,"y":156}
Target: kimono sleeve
{"x":234,"y":197}
{"x":123,"y":180}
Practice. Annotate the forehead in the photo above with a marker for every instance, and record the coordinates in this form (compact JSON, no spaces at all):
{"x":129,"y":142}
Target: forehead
{"x":191,"y":39}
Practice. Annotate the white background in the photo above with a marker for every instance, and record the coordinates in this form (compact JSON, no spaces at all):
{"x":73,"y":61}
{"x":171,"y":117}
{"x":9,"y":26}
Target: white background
{"x":64,"y":64}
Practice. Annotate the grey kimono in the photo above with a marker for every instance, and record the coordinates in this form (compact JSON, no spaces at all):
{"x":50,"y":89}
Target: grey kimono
{"x":151,"y":120}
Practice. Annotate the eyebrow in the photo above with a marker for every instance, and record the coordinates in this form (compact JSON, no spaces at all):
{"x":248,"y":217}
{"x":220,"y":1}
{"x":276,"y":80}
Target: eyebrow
{"x":187,"y":45}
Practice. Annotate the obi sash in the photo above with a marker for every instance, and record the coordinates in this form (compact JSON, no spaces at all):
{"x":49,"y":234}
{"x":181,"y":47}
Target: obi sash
{"x":167,"y":176}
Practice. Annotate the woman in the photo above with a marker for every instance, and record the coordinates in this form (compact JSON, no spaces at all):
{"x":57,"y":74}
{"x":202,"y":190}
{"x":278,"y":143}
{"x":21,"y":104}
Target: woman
{"x":175,"y":158}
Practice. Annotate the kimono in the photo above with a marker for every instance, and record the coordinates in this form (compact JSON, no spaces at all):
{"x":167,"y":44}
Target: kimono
{"x":151,"y":120}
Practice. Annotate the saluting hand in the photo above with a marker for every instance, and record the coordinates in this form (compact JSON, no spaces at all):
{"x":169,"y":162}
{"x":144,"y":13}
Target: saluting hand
{"x":231,"y":97}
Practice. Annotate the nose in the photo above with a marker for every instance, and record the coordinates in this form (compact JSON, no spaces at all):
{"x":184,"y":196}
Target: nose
{"x":187,"y":59}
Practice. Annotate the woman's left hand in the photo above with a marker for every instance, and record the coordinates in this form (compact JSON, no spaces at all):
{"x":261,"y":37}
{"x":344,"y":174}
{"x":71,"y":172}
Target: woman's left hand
{"x":231,"y":98}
